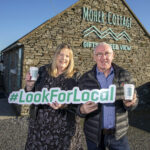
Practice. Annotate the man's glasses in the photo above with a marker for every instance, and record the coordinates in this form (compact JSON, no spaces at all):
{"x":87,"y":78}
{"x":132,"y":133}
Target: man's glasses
{"x":107,"y":54}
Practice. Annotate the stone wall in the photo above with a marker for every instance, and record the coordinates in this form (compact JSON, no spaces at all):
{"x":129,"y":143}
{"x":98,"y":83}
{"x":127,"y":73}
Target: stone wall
{"x":68,"y":27}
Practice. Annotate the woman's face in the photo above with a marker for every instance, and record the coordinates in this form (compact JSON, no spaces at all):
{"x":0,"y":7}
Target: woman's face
{"x":63,"y":59}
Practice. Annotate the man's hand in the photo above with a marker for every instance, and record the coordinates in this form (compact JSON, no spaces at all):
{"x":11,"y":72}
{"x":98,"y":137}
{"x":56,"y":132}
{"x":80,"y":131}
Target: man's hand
{"x":88,"y":107}
{"x":129,"y":103}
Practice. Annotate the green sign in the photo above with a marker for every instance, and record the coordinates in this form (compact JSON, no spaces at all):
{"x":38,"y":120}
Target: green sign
{"x":106,"y":18}
{"x":74,"y":96}
{"x":93,"y":15}
{"x":87,"y":44}
{"x":109,"y":31}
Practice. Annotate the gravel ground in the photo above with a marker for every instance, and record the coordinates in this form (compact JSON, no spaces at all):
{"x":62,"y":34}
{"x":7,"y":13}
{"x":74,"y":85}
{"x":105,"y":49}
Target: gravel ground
{"x":13,"y":132}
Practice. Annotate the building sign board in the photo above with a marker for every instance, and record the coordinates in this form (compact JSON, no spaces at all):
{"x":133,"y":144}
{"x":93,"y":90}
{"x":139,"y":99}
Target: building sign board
{"x":101,"y":17}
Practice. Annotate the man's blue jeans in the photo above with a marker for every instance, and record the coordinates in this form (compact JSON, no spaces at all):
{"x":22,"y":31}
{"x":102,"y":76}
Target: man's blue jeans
{"x":110,"y":142}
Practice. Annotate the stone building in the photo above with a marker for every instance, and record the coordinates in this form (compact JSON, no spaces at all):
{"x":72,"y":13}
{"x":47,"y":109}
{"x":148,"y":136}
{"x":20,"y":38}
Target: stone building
{"x":82,"y":25}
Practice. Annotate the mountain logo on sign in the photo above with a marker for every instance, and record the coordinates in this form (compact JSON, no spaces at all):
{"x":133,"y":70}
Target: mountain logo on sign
{"x":107,"y":32}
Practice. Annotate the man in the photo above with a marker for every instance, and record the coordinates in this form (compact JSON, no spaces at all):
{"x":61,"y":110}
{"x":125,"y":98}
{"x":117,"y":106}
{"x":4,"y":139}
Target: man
{"x":106,"y":124}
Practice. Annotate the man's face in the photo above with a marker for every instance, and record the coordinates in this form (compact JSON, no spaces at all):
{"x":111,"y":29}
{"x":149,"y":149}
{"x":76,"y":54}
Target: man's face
{"x":103,"y":55}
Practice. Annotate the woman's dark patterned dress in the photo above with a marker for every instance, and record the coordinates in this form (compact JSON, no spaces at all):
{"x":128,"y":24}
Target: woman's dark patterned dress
{"x":51,"y":129}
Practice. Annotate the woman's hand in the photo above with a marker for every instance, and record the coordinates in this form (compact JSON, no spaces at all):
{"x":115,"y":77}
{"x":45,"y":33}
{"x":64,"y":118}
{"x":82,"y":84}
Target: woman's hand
{"x":29,"y":83}
{"x":56,"y":105}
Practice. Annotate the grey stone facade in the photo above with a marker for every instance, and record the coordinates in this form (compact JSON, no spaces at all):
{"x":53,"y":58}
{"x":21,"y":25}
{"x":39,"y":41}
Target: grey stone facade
{"x":69,"y":26}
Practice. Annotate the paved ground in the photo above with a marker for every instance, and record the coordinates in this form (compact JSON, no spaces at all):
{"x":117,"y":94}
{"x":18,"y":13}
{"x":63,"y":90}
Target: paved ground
{"x":13,"y":129}
{"x":6,"y":110}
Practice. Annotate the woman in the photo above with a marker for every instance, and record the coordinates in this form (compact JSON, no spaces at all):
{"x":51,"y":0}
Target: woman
{"x":52,"y":126}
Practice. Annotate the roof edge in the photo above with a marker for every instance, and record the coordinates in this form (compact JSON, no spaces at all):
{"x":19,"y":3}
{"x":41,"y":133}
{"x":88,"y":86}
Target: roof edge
{"x":61,"y":13}
{"x":51,"y":19}
{"x":139,"y":22}
{"x":13,"y":45}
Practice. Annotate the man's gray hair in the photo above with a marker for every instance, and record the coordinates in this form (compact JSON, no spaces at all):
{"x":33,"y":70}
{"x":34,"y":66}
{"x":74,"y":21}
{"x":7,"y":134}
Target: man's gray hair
{"x":101,"y":44}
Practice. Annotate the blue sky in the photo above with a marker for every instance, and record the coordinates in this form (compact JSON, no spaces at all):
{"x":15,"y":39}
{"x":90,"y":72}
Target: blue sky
{"x":18,"y":17}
